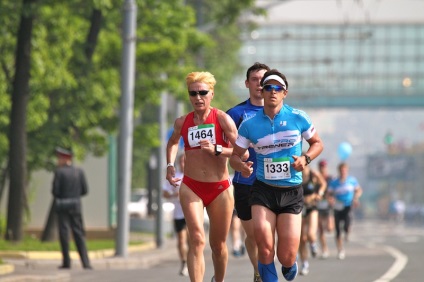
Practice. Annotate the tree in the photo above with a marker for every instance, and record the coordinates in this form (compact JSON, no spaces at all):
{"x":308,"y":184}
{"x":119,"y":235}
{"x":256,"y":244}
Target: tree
{"x":8,"y":27}
{"x":18,"y":138}
{"x":67,"y":87}
{"x":75,"y":87}
{"x":90,"y":46}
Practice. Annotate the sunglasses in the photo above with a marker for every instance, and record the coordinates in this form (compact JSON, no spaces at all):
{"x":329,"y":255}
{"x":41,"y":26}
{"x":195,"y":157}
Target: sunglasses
{"x":200,"y":92}
{"x":270,"y":87}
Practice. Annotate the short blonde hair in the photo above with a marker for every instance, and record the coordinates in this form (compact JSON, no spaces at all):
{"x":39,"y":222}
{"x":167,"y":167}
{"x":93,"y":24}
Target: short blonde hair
{"x":201,"y":76}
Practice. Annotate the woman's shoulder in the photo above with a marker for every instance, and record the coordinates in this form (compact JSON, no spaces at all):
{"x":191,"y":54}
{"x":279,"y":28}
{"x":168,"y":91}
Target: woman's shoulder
{"x":180,"y":120}
{"x":220,"y":114}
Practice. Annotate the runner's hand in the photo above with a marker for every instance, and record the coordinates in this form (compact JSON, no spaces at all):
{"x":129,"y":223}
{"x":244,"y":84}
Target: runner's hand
{"x":299,"y":163}
{"x":247,"y":169}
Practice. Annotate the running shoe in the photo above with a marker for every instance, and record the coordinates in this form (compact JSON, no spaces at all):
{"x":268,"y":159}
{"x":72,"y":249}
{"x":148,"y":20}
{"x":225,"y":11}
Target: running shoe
{"x":290,"y":273}
{"x":305,"y":270}
{"x":257,"y":278}
{"x":314,"y":249}
{"x":341,"y":255}
{"x":184,"y":269}
{"x":324,"y":255}
{"x":240,"y":252}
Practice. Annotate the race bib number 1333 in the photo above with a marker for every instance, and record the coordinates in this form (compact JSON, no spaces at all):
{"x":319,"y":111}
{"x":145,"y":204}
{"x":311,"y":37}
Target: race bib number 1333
{"x":277,"y":168}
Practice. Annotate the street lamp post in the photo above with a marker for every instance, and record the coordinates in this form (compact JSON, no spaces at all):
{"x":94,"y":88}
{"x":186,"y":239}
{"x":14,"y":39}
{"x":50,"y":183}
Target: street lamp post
{"x":126,"y":124}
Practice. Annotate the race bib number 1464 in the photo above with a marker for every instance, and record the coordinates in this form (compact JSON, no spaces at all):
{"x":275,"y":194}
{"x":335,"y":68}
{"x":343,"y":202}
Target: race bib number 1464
{"x":201,"y":132}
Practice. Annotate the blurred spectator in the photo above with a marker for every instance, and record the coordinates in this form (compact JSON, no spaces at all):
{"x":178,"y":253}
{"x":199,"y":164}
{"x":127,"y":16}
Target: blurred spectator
{"x":172,"y":193}
{"x":69,"y":184}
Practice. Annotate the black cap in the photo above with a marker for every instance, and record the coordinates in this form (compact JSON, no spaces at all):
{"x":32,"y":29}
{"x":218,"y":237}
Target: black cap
{"x":64,"y":152}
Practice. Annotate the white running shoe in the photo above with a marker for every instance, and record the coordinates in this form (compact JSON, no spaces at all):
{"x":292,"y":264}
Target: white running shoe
{"x":184,"y":270}
{"x":341,"y":255}
{"x":305,"y":270}
{"x":325,"y":255}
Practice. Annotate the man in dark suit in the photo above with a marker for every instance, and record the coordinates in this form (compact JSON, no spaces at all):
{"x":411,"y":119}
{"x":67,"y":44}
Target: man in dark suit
{"x":69,"y":184}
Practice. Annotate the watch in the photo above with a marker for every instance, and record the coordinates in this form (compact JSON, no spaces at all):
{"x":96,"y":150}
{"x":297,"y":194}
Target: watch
{"x":218,"y":150}
{"x":308,"y":159}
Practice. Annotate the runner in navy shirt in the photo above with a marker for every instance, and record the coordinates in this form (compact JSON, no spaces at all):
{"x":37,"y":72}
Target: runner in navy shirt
{"x":242,"y":185}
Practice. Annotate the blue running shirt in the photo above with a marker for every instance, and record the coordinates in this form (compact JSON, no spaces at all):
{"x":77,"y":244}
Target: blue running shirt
{"x":275,"y":142}
{"x":344,"y":191}
{"x":239,"y":113}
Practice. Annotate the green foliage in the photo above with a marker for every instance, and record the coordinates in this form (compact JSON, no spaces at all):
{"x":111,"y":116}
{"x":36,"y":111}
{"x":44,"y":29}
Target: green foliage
{"x":222,"y":21}
{"x":74,"y":100}
{"x":31,"y":243}
{"x":8,"y":30}
{"x":2,"y":223}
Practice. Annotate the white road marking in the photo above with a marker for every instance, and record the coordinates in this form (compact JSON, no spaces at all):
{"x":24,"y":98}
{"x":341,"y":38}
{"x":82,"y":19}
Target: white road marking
{"x":400,"y":261}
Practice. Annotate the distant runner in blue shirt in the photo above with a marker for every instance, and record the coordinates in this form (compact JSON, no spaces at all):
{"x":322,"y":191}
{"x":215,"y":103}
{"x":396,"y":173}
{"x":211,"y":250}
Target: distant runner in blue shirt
{"x":276,"y":135}
{"x":343,"y":193}
{"x":242,"y":185}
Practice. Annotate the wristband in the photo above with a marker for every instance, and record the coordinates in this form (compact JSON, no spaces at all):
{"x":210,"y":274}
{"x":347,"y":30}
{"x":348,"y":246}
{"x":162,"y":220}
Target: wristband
{"x":169,"y":164}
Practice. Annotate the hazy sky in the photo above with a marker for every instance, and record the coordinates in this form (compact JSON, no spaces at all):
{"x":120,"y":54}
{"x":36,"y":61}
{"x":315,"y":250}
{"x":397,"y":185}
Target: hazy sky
{"x":365,"y":131}
{"x":344,"y":11}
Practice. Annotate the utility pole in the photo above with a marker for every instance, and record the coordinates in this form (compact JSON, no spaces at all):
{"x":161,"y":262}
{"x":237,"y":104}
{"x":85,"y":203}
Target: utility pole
{"x":160,"y":237}
{"x":126,"y":125}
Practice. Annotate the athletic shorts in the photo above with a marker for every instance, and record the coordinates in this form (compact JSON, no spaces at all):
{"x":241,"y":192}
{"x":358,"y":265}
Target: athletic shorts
{"x":179,"y":225}
{"x":278,"y":200}
{"x":324,"y":213}
{"x":307,"y":210}
{"x":207,"y":191}
{"x":323,"y":208}
{"x":242,"y":200}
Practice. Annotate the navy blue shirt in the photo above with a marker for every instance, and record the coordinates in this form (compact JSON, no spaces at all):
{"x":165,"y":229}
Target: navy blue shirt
{"x":239,"y":113}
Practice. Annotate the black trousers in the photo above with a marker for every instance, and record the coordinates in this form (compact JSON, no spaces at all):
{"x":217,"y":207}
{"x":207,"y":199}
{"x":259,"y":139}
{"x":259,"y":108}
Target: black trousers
{"x":72,"y":220}
{"x":344,"y":216}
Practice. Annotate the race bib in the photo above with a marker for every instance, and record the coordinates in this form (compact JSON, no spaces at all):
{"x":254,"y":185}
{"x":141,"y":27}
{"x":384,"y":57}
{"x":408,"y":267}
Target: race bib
{"x":323,"y":205}
{"x":338,"y":206}
{"x":201,"y":132}
{"x":277,"y":168}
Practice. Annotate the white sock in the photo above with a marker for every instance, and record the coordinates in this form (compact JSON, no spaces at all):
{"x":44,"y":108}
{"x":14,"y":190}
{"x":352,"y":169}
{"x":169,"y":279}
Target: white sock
{"x":237,"y":245}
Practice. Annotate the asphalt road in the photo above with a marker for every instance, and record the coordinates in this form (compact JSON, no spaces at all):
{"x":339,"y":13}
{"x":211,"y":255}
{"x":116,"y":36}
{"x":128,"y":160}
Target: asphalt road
{"x":377,"y":252}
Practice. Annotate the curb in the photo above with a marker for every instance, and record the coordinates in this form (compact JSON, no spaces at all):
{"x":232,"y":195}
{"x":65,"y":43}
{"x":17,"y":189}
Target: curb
{"x":40,"y":278}
{"x":6,"y":268}
{"x":30,"y":266}
{"x":49,"y":255}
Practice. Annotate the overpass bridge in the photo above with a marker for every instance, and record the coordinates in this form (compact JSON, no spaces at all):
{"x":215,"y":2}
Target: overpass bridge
{"x":364,"y":54}
{"x":298,"y":100}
